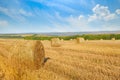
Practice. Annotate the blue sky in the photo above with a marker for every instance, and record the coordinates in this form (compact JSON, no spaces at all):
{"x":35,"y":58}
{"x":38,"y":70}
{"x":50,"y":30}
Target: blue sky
{"x":25,"y":16}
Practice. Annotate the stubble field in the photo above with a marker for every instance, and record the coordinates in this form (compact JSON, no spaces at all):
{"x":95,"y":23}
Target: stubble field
{"x":89,"y":60}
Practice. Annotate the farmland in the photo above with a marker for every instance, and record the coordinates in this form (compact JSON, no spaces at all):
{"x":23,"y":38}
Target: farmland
{"x":89,"y":60}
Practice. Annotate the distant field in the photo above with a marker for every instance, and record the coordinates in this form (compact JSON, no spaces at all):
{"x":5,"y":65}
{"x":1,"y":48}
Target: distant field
{"x":89,"y":60}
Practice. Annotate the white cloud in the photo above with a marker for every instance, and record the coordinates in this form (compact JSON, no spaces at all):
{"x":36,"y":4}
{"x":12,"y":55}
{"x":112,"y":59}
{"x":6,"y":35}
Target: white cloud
{"x":4,"y":10}
{"x":60,"y":5}
{"x":80,"y":17}
{"x":12,"y":14}
{"x":118,"y":11}
{"x":92,"y":17}
{"x":25,"y":13}
{"x":3,"y":23}
{"x":109,"y":17}
{"x":79,"y":21}
{"x":101,"y":10}
{"x":101,"y":13}
{"x":68,"y":24}
{"x":16,"y":14}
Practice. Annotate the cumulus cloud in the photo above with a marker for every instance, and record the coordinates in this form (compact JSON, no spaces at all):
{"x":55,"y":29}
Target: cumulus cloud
{"x":101,"y":10}
{"x":3,"y":23}
{"x":118,"y":11}
{"x":101,"y":13}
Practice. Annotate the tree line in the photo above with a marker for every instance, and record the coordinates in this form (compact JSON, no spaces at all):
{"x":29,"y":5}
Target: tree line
{"x":85,"y":36}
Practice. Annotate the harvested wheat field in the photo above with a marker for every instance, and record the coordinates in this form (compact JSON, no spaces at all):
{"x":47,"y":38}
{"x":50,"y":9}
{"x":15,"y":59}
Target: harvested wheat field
{"x":89,"y":60}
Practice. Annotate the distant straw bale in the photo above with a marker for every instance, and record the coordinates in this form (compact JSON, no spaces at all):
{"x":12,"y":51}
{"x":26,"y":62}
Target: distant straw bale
{"x":55,"y":42}
{"x":79,"y":40}
{"x":86,"y":39}
{"x":113,"y":39}
{"x":62,"y":40}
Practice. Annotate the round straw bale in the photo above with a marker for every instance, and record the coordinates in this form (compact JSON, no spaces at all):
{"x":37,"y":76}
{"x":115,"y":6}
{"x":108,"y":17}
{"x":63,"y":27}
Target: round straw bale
{"x":25,"y":53}
{"x":55,"y":42}
{"x":79,"y":40}
{"x":39,"y":54}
